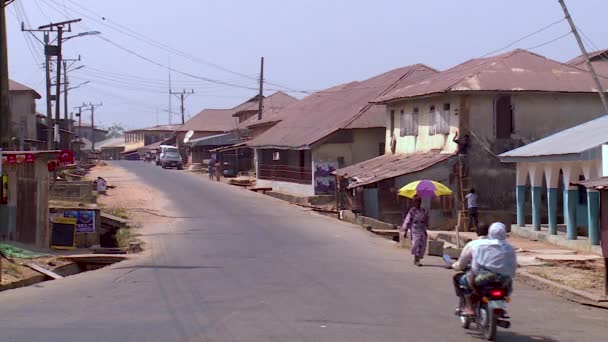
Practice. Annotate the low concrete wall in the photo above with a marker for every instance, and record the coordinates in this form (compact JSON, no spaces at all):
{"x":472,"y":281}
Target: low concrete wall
{"x":320,"y":201}
{"x":583,"y":246}
{"x":363,"y":221}
{"x":81,"y":191}
{"x":287,"y":187}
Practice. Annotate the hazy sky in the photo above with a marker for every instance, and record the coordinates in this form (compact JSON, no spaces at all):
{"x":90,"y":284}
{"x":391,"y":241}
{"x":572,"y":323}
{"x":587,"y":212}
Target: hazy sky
{"x":307,"y":45}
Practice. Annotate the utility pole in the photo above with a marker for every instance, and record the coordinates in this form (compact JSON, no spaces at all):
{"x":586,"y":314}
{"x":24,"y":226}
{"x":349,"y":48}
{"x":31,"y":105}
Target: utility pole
{"x":92,"y":108}
{"x":53,"y":50}
{"x":182,"y":95}
{"x":261,"y":95}
{"x":49,"y":106}
{"x":5,"y":108}
{"x":79,"y":115}
{"x":584,"y":52}
{"x":66,"y":89}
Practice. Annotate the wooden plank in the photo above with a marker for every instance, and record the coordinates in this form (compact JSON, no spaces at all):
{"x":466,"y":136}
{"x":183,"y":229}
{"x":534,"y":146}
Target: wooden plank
{"x":43,"y":270}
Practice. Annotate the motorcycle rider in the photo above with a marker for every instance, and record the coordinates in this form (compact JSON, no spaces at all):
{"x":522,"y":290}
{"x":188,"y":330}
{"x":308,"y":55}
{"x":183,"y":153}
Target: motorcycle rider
{"x":493,"y":261}
{"x":466,"y":256}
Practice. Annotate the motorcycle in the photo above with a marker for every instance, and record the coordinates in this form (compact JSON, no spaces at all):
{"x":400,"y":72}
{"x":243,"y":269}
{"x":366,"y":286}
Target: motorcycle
{"x":490,"y":309}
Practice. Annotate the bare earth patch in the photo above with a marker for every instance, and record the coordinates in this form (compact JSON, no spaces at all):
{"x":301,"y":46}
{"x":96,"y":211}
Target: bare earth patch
{"x":586,"y":276}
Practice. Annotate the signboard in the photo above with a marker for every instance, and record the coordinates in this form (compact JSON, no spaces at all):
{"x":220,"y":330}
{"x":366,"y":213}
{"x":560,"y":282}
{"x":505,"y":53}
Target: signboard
{"x":85,"y":220}
{"x":11,"y":159}
{"x":4,"y":189}
{"x":63,"y":232}
{"x":65,"y":158}
{"x":101,"y":185}
{"x":29,"y":158}
{"x":52,"y":166}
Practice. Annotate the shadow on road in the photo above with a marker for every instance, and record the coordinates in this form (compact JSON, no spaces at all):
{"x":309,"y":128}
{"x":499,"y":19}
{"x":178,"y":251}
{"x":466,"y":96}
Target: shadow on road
{"x":515,"y":337}
{"x":168,"y":267}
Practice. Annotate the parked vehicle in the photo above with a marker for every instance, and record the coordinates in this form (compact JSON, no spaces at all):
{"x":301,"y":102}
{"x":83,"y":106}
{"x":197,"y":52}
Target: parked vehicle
{"x":171,"y":159}
{"x":162,"y":149}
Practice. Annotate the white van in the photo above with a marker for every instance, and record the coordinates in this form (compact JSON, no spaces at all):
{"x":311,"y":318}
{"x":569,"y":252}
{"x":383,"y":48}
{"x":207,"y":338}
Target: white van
{"x":162,"y":149}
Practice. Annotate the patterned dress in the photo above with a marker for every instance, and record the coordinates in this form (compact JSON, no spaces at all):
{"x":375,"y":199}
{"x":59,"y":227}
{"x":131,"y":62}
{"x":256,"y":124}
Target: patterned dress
{"x":417,"y":222}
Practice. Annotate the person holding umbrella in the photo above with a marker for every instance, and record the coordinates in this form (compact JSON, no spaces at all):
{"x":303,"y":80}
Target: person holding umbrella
{"x":417,"y":222}
{"x":417,"y":219}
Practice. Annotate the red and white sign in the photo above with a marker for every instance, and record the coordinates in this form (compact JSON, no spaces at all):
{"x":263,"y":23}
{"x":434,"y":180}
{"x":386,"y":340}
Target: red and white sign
{"x":29,"y":158}
{"x":11,"y":159}
{"x":52,"y":165}
{"x":66,"y":158}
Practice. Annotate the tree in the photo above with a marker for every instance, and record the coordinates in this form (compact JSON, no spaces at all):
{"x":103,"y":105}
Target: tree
{"x":115,"y":130}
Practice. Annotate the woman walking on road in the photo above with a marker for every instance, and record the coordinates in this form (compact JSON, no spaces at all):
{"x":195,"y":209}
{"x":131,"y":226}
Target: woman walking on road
{"x":417,"y":222}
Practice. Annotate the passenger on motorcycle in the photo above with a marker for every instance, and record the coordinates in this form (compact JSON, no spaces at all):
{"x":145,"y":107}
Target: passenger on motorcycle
{"x":466,"y":256}
{"x":493,"y":262}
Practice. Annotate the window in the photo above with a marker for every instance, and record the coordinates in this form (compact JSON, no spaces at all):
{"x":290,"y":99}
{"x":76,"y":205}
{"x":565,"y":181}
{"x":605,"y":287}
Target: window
{"x":340,"y":162}
{"x":442,"y":121}
{"x":432,"y":120}
{"x":276,"y":156}
{"x":392,"y":126}
{"x":409,"y":125}
{"x":504,"y":117}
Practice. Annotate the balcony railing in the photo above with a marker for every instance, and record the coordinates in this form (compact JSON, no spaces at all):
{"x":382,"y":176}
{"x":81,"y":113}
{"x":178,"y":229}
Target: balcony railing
{"x":285,"y":173}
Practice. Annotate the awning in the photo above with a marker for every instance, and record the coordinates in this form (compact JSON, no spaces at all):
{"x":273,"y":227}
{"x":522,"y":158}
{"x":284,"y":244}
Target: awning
{"x":596,"y":183}
{"x":389,"y":166}
{"x":230,"y":148}
{"x":216,"y":140}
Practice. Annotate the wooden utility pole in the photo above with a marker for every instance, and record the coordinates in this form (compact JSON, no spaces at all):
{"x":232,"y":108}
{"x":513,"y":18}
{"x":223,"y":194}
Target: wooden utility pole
{"x":49,"y":106}
{"x":5,"y":109}
{"x":586,"y":55}
{"x":92,"y":107}
{"x":49,"y":51}
{"x":182,"y":96}
{"x":261,"y":95}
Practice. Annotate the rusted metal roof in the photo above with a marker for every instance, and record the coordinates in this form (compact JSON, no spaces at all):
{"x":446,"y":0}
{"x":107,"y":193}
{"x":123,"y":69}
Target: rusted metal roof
{"x":597,"y":183}
{"x":518,"y":70}
{"x":390,"y":166}
{"x":16,"y":86}
{"x":157,"y":128}
{"x":593,"y":56}
{"x":342,"y":107}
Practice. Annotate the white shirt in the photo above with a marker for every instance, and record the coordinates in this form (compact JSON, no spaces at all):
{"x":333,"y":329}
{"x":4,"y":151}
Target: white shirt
{"x":495,"y":255}
{"x":466,"y":255}
{"x":472,"y":200}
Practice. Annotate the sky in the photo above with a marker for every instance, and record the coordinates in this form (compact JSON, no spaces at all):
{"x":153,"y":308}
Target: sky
{"x":214,"y":47}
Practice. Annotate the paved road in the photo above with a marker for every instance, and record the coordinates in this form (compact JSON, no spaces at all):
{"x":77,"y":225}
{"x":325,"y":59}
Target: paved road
{"x":243,"y":267}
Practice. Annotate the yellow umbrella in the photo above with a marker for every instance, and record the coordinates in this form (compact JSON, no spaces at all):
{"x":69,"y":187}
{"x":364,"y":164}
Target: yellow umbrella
{"x":424,"y":189}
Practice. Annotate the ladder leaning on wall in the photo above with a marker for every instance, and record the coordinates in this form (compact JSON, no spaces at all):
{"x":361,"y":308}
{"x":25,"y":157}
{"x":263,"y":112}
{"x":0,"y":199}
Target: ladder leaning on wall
{"x":464,"y":188}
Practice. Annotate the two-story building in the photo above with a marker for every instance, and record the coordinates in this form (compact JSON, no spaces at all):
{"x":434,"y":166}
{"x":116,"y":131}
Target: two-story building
{"x":23,"y":117}
{"x":502,"y":102}
{"x":325,"y":131}
{"x":85,"y":131}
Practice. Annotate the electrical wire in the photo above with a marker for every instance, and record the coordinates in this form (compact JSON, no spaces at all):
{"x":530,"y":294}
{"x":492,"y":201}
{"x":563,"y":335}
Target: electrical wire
{"x":549,"y":42}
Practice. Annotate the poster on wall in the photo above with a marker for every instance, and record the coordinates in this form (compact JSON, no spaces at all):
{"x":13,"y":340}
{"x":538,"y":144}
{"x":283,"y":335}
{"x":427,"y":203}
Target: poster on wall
{"x":85,"y":220}
{"x":325,"y":182}
{"x":4,"y":189}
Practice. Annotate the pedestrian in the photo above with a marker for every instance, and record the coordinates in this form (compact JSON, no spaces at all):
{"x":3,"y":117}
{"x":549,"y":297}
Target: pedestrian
{"x":463,"y":152}
{"x":417,"y":222}
{"x":218,"y":170}
{"x":211,"y":169}
{"x":471,"y":198}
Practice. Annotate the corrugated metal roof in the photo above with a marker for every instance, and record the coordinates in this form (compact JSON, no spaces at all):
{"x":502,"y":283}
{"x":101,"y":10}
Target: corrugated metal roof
{"x":160,"y":128}
{"x":273,"y":109}
{"x":597,"y":183}
{"x":593,"y":56}
{"x":518,"y":70}
{"x":111,"y":142}
{"x":216,"y":140}
{"x":575,"y":140}
{"x":16,"y":86}
{"x":390,"y":166}
{"x":342,"y":107}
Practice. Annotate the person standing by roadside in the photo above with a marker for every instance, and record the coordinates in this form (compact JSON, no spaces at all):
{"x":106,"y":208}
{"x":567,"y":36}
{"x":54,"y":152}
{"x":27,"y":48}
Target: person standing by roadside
{"x":218,"y":170}
{"x":417,"y":222}
{"x":463,"y":152}
{"x":211,"y":169}
{"x":471,"y":198}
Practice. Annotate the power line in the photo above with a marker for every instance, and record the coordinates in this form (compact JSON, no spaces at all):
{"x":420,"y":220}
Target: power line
{"x":549,"y":42}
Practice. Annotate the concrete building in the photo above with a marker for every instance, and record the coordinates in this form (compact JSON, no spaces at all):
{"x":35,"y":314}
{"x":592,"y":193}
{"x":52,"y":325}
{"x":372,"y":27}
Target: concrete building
{"x":137,"y":139}
{"x":85,"y":131}
{"x":502,"y":102}
{"x":327,"y":130}
{"x":23,"y":116}
{"x":547,"y":177}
